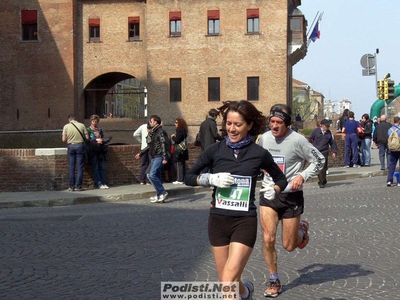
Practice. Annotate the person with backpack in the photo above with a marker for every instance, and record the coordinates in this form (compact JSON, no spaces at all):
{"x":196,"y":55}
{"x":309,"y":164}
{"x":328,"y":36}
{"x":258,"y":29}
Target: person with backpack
{"x":394,"y":148}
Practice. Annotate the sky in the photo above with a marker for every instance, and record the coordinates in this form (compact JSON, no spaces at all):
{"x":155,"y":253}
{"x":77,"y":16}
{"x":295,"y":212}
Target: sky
{"x":348,"y":30}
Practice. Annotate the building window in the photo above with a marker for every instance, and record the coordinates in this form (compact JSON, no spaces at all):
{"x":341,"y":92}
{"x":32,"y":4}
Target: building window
{"x":29,"y":25}
{"x":253,"y":86}
{"x":253,"y":21}
{"x":175,"y":89}
{"x":133,"y":28}
{"x":213,"y":22}
{"x":175,"y":23}
{"x":214,"y":89}
{"x":94,"y":30}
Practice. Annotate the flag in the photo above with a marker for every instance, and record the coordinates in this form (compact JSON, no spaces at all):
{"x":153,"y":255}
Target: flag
{"x":315,"y":34}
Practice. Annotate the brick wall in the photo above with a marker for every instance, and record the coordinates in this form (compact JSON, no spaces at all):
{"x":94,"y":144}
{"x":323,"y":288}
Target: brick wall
{"x":47,"y":169}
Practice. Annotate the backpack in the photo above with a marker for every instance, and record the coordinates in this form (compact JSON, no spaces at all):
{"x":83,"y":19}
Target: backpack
{"x":394,"y":141}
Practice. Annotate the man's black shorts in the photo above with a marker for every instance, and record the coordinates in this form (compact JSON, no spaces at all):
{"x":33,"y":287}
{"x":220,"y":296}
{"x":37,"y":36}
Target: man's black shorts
{"x":287,"y":205}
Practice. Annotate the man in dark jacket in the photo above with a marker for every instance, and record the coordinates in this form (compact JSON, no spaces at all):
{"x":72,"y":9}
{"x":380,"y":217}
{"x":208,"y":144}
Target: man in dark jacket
{"x":208,"y":130}
{"x":381,"y":139}
{"x":159,"y":150}
{"x":322,"y":139}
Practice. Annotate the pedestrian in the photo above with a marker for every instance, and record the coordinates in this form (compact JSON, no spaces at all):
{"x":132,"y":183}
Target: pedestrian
{"x":366,"y":139}
{"x":290,"y":151}
{"x":235,"y":161}
{"x":208,"y":130}
{"x":140,"y":135}
{"x":351,"y":127}
{"x":394,"y":155}
{"x":181,"y":153}
{"x":74,"y":134}
{"x":343,"y":118}
{"x":98,"y":152}
{"x":298,"y":118}
{"x":159,"y":151}
{"x":380,"y":138}
{"x":322,"y":139}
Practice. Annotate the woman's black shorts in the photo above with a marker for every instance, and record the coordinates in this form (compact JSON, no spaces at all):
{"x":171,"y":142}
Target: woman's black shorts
{"x":223,"y":230}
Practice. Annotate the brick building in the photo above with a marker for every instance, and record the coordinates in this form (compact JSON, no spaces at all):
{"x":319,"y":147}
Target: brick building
{"x":62,"y":56}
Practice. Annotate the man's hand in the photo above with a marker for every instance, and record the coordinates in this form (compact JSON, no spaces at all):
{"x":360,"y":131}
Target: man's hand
{"x":269,"y":191}
{"x":222,"y":180}
{"x":297,"y":183}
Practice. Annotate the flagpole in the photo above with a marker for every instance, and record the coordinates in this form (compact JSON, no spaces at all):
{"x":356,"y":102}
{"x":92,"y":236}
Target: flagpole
{"x":312,"y":25}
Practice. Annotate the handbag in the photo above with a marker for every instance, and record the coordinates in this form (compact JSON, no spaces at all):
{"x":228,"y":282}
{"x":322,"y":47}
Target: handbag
{"x":181,"y":147}
{"x":197,"y":141}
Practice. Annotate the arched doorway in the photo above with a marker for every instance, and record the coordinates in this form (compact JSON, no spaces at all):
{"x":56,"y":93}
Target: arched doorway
{"x":115,"y":94}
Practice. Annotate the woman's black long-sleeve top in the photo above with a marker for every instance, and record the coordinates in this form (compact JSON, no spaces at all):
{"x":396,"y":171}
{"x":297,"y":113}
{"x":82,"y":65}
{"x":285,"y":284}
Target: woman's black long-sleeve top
{"x":220,"y":158}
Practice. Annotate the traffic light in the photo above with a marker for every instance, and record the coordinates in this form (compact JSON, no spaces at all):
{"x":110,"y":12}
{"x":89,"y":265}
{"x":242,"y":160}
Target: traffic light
{"x":386,"y":89}
{"x":390,"y":89}
{"x":380,"y":89}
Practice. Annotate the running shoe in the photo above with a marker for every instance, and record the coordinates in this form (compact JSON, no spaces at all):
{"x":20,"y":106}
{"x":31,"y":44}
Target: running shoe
{"x":389,"y":184}
{"x":154,"y":199}
{"x":304,"y":226}
{"x":249,"y":285}
{"x":161,"y":198}
{"x":274,"y":288}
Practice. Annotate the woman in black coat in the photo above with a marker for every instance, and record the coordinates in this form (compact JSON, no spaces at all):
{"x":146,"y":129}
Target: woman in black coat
{"x":181,"y":154}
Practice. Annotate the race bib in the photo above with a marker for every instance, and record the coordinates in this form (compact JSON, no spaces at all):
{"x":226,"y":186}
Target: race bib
{"x":236,"y":197}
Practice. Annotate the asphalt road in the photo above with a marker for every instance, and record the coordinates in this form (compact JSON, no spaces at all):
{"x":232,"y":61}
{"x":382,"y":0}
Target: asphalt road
{"x":123,"y":250}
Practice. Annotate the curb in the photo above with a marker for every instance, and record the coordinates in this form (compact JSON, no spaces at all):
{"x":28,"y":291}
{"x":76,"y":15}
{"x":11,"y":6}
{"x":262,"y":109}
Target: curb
{"x":184,"y":190}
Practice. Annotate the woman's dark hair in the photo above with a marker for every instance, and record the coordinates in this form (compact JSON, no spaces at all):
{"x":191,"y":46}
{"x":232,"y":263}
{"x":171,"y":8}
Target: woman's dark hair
{"x":249,"y":113}
{"x":366,"y":116}
{"x":181,"y":124}
{"x":346,"y":112}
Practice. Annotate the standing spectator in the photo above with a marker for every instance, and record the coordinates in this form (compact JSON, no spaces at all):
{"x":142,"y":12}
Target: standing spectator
{"x":73,"y":134}
{"x":140,"y":135}
{"x":208,"y":130}
{"x":298,"y":118}
{"x":367,"y":125}
{"x":322,"y":139}
{"x":381,"y":139}
{"x":290,"y":150}
{"x":235,"y":163}
{"x":394,"y":155}
{"x":180,"y":155}
{"x":158,"y":149}
{"x":377,"y":121}
{"x":343,"y":118}
{"x":350,"y":127}
{"x":97,"y":157}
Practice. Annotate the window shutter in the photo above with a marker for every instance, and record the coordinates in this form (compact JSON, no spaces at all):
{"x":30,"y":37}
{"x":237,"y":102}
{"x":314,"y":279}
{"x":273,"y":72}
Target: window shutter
{"x":134,"y":20}
{"x":29,"y":17}
{"x":175,"y":16}
{"x":252,"y":13}
{"x":213,"y":15}
{"x":94,"y":22}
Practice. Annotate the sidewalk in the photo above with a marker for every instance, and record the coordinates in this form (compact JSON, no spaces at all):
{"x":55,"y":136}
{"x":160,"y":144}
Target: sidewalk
{"x":137,"y":191}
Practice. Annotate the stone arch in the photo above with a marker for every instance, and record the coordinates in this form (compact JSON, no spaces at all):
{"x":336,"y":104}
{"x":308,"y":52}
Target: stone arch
{"x":95,"y":92}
